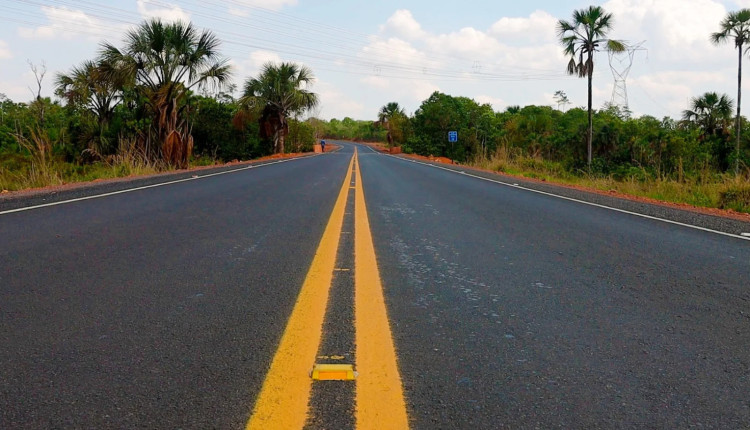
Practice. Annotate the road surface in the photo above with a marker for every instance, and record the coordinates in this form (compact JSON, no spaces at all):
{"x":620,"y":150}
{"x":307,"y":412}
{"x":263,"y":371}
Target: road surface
{"x":460,"y":302}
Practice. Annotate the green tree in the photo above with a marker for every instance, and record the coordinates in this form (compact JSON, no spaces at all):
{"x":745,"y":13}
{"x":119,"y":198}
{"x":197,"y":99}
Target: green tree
{"x":166,"y":61}
{"x":442,"y":113}
{"x":278,"y":92}
{"x":736,"y":26}
{"x":387,"y":117}
{"x":581,"y":37}
{"x":561,"y":99}
{"x":710,"y":112}
{"x":87,"y":87}
{"x":432,"y":121}
{"x":90,"y":94}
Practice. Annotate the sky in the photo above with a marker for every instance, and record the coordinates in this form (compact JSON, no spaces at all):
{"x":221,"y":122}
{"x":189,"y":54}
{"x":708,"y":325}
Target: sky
{"x":366,"y":54}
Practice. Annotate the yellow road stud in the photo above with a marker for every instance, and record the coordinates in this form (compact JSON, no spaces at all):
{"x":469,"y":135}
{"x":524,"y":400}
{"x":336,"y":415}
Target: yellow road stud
{"x":333,"y":372}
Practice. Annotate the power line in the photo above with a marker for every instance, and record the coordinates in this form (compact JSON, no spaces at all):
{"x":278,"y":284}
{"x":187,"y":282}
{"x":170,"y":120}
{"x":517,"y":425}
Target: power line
{"x":348,"y":51}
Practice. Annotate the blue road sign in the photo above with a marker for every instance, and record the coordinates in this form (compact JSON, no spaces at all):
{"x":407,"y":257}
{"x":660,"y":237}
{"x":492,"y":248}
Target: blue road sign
{"x":452,"y":136}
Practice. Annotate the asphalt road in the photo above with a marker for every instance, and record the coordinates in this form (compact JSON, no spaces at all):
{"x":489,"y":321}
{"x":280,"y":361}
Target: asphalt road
{"x":163,"y":307}
{"x":158,"y":308}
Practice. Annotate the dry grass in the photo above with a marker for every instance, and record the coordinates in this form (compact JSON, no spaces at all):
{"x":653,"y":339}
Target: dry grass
{"x":703,"y":190}
{"x":39,"y":169}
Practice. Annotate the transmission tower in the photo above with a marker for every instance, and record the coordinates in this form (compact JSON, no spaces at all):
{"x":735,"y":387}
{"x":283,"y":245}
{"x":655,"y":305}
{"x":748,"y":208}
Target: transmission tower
{"x":620,"y":64}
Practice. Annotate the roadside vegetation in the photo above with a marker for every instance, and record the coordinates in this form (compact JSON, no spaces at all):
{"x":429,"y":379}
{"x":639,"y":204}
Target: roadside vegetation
{"x":161,"y":101}
{"x":164,"y":100}
{"x":688,"y":160}
{"x":700,"y":159}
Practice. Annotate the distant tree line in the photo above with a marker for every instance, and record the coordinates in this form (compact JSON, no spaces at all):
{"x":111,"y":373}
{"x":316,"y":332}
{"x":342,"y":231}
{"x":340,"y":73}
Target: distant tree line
{"x":622,"y":146}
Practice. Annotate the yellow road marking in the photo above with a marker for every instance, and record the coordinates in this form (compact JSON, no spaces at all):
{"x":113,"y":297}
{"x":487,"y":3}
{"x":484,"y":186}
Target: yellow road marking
{"x":283,"y":400}
{"x":379,"y":396}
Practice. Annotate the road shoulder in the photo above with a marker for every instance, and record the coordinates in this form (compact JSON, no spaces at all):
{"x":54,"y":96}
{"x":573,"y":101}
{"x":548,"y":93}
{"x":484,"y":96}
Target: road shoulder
{"x":42,"y":196}
{"x":713,"y":219}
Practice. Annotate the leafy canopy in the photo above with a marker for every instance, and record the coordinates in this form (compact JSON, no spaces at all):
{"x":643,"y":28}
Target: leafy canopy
{"x":710,"y":112}
{"x":174,"y":55}
{"x":735,"y":26}
{"x":283,"y":88}
{"x":584,"y":35}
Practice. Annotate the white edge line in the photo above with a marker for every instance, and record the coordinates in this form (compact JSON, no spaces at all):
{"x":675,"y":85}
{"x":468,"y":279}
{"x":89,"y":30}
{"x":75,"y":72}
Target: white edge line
{"x":161,"y":184}
{"x":579,"y":201}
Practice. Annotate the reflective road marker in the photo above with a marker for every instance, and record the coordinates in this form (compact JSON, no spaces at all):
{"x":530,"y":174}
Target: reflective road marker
{"x":333,"y":372}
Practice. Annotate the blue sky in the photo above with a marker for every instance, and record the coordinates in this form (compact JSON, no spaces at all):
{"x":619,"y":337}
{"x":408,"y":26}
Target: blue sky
{"x":366,"y":54}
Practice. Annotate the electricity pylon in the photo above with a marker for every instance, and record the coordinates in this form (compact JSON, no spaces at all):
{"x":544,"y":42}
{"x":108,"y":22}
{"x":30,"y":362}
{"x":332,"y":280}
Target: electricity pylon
{"x":620,"y":64}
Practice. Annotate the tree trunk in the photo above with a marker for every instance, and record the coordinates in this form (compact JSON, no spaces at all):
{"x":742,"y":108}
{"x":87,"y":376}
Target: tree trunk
{"x":590,"y":136}
{"x":282,"y":133}
{"x":739,"y":100}
{"x":282,"y":139}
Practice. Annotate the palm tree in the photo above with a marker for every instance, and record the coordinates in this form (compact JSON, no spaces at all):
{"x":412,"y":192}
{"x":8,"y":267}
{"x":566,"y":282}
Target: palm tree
{"x":166,"y":61}
{"x":581,"y":37}
{"x":279,"y":91}
{"x":86,"y":86}
{"x":386,"y":116}
{"x":736,"y":26}
{"x":710,"y":112}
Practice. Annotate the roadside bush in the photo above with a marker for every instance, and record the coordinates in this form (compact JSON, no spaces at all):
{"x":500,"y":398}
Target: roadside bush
{"x":735,"y":197}
{"x":627,"y":172}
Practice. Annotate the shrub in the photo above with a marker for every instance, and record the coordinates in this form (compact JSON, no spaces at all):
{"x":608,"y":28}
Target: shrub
{"x":735,"y":197}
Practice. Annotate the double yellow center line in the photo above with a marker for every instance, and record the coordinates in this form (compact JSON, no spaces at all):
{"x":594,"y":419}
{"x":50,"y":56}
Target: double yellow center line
{"x":283,"y":402}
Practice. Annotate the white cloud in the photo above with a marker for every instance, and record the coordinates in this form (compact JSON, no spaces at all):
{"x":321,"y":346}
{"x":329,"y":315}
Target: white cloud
{"x":250,"y":66}
{"x":393,"y":51}
{"x":467,"y":43}
{"x":675,"y":88}
{"x":497,"y":103}
{"x":168,"y":12}
{"x":336,"y":104}
{"x":43,"y":32}
{"x":420,"y":59}
{"x":421,"y":89}
{"x":16,"y":91}
{"x":376,"y":82}
{"x":239,"y":11}
{"x":259,"y":58}
{"x":402,"y":24}
{"x":538,"y":27}
{"x":65,"y":23}
{"x":5,"y":53}
{"x":674,"y":30}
